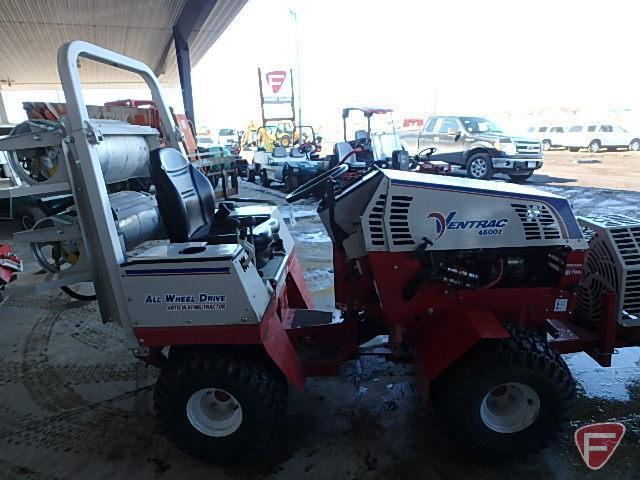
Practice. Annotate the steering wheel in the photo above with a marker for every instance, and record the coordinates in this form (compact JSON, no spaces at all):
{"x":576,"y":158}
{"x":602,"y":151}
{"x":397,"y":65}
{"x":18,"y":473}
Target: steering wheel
{"x":430,"y":151}
{"x":309,"y":187}
{"x":363,"y":143}
{"x":306,"y":148}
{"x":416,"y":159}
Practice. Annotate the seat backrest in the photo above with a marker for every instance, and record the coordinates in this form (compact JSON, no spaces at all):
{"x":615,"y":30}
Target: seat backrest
{"x":295,"y":153}
{"x":361,"y":134}
{"x":279,"y":152}
{"x":185,"y":197}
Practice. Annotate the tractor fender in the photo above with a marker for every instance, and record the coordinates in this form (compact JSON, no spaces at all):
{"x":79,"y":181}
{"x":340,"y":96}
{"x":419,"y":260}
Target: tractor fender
{"x":278,"y":346}
{"x":446,"y":339}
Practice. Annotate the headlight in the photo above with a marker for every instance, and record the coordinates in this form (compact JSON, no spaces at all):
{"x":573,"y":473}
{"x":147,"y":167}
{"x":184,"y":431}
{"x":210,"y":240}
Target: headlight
{"x":506,"y":146}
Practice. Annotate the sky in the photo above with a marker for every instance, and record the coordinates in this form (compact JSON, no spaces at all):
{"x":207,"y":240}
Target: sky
{"x":419,"y":57}
{"x":463,"y":56}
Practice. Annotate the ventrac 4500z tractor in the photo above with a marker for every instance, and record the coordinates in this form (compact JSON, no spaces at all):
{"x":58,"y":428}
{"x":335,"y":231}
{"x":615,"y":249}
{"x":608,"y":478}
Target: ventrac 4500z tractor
{"x":481,"y":286}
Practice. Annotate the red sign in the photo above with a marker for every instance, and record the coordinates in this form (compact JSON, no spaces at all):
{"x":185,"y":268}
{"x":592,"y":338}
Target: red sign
{"x":275,"y":79}
{"x":597,"y":442}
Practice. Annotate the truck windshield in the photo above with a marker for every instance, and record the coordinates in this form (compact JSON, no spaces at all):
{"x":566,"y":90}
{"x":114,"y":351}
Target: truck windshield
{"x":479,"y":125}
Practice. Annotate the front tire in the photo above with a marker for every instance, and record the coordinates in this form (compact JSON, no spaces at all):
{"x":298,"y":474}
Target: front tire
{"x":546,"y":145}
{"x":594,"y":146}
{"x":520,"y":178}
{"x":290,"y":183}
{"x":220,"y":407}
{"x":508,"y":397}
{"x":480,"y":167}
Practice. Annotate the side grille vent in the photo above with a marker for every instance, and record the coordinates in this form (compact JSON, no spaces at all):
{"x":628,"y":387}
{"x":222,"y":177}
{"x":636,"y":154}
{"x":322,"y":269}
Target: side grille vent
{"x":399,"y":220}
{"x":628,"y":242}
{"x":376,"y":219}
{"x":537,"y":221}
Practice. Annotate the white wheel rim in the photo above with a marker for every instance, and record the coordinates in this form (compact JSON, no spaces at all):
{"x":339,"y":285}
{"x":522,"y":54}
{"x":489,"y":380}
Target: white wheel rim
{"x":479,"y":168}
{"x":594,"y":147}
{"x":634,"y":145}
{"x":510,"y":408}
{"x":214,"y":412}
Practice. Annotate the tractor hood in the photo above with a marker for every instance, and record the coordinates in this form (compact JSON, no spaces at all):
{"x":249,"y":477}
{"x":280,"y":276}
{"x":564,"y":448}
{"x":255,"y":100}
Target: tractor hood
{"x":400,"y":211}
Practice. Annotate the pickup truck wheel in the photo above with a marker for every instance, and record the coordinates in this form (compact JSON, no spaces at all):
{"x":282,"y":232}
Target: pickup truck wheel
{"x":251,"y":175}
{"x":264,"y":179}
{"x":479,"y":166}
{"x":520,"y":178}
{"x":634,"y":145}
{"x":594,"y":146}
{"x":546,"y":145}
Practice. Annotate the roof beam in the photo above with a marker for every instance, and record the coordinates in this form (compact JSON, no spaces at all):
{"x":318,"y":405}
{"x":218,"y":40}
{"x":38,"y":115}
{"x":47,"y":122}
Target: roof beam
{"x":192,"y":18}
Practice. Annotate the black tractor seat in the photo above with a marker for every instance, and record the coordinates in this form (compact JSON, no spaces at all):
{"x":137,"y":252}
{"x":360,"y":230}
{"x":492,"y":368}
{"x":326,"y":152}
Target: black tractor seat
{"x":186,"y":201}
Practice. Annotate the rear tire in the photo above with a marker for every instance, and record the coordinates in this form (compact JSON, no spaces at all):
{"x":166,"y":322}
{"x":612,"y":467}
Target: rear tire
{"x":264,"y":179}
{"x":594,"y":146}
{"x":480,"y":167}
{"x":546,"y":145}
{"x":220,"y":407}
{"x":634,"y":145}
{"x":508,"y":397}
{"x":520,"y":178}
{"x":29,"y":215}
{"x":77,"y":295}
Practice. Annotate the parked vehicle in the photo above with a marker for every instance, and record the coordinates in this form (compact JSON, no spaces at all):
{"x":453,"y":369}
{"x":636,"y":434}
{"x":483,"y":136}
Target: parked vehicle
{"x":548,"y":136}
{"x":227,"y":136}
{"x":204,"y":141}
{"x":378,"y":145}
{"x":595,"y":137}
{"x":480,"y":146}
{"x":292,"y":167}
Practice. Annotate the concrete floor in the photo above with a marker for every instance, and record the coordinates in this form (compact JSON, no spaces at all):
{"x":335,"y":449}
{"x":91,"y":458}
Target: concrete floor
{"x":75,"y":404}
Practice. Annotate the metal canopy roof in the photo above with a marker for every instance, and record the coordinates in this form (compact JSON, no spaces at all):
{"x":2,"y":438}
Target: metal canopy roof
{"x":32,"y":30}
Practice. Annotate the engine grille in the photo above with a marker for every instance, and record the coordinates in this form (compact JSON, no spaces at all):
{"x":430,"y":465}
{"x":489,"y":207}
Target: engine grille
{"x":531,"y":148}
{"x":399,"y":220}
{"x":612,"y":264}
{"x":537,"y":221}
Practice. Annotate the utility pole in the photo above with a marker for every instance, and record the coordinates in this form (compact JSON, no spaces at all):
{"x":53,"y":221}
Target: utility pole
{"x":296,"y":24}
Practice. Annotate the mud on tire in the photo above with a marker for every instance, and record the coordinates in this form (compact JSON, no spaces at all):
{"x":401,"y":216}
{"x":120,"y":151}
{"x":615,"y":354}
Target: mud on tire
{"x":461,"y":395}
{"x":248,"y":378}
